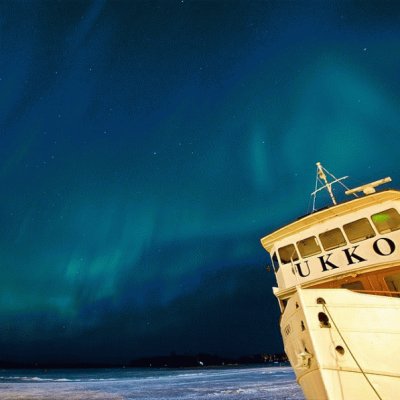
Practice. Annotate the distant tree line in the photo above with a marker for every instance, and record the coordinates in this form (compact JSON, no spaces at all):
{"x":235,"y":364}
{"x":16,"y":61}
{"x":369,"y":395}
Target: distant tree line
{"x":203,"y":360}
{"x":170,"y":361}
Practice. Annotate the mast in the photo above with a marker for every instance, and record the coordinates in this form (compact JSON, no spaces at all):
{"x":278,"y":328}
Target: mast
{"x":322,"y":182}
{"x":328,"y":185}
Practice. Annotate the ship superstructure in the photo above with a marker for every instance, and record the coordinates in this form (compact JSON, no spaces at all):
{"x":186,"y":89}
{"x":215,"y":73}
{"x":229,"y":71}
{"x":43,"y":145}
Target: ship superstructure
{"x":338,"y":287}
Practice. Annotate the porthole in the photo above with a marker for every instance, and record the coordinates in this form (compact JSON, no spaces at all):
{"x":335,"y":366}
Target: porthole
{"x":323,"y":320}
{"x":340,"y":350}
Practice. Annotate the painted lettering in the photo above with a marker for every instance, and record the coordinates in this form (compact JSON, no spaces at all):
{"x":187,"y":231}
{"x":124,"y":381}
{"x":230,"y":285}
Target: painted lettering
{"x":387,"y":249}
{"x":299,"y":269}
{"x":382,"y":246}
{"x":352,"y":257}
{"x":325,"y":262}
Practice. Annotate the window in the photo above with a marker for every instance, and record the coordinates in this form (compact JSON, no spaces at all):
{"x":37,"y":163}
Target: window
{"x":275,"y":263}
{"x":386,"y":221}
{"x":308,"y":247}
{"x":288,"y":253}
{"x":332,"y":239}
{"x":359,"y":230}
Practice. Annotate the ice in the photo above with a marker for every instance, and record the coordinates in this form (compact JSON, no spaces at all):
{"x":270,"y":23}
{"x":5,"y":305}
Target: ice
{"x":240,"y":383}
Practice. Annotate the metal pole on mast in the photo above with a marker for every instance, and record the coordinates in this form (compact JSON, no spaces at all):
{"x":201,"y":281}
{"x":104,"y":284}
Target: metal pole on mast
{"x":321,"y":174}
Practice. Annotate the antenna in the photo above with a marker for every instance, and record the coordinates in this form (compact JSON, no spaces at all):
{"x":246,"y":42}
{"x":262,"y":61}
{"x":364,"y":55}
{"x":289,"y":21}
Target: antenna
{"x":369,"y":188}
{"x":322,"y":182}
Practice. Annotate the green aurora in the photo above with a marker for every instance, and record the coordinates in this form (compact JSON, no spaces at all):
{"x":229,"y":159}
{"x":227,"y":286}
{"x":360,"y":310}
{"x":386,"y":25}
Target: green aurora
{"x":146,"y":147}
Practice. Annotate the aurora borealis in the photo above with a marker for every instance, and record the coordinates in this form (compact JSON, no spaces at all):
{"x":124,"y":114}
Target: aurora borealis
{"x":147,"y":146}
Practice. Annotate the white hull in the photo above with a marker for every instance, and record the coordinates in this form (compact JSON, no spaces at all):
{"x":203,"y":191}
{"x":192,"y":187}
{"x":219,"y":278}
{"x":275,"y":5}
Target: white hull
{"x":338,"y":276}
{"x":353,"y":354}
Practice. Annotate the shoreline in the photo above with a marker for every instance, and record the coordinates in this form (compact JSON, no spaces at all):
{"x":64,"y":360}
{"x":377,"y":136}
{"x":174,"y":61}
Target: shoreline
{"x":172,"y":360}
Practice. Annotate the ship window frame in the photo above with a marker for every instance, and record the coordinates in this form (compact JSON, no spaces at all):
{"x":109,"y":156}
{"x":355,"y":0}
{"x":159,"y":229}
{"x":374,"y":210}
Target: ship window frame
{"x":302,"y":247}
{"x":388,"y":229}
{"x":292,"y":259}
{"x":361,"y":234}
{"x":335,"y":244}
{"x":275,"y":261}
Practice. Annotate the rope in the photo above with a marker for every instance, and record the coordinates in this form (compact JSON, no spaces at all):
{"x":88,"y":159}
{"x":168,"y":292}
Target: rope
{"x":340,"y":182}
{"x":348,"y":348}
{"x":315,"y":192}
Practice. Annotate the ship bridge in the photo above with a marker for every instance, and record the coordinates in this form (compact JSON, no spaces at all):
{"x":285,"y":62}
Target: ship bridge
{"x":338,"y":274}
{"x":340,"y":246}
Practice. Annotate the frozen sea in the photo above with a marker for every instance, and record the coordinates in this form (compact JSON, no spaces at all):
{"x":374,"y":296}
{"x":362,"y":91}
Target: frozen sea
{"x":230,"y":383}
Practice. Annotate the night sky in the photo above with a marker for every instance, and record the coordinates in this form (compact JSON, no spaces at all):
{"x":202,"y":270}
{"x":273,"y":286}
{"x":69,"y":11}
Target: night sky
{"x":147,"y":146}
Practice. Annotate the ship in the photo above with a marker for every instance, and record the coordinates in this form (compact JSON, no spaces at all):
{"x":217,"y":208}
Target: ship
{"x":338,"y":287}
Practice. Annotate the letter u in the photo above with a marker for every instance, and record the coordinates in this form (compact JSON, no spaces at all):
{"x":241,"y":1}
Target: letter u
{"x":299,"y":269}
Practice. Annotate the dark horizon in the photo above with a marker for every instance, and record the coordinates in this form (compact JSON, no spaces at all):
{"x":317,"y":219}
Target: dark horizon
{"x":147,"y":146}
{"x":172,"y":360}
